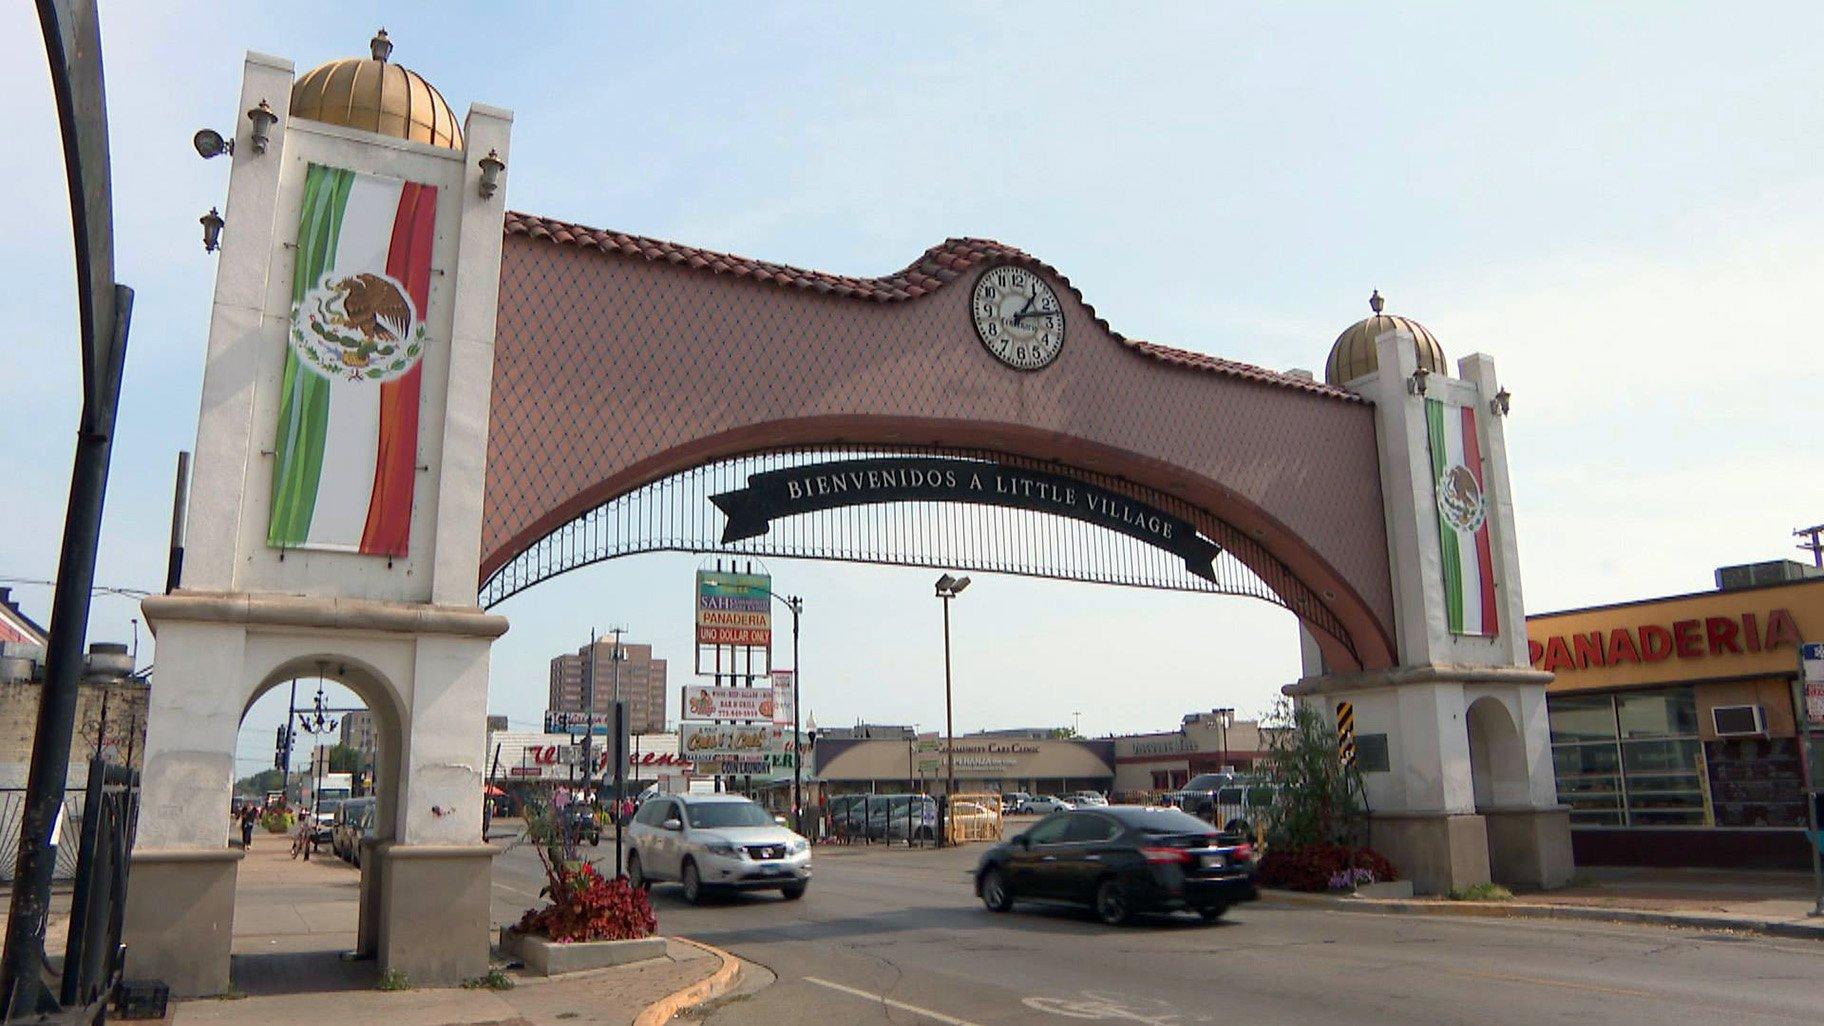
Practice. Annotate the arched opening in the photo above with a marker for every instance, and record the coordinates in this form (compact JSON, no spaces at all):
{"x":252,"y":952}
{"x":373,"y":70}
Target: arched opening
{"x":667,"y":507}
{"x":309,"y":884}
{"x":1497,"y":760}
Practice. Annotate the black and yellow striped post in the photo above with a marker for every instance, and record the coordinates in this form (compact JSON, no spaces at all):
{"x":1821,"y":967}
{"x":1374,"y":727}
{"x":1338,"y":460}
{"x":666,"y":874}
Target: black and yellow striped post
{"x":1345,"y":732}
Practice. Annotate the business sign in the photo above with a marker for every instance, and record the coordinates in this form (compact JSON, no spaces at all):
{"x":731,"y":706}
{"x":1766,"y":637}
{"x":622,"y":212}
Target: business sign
{"x":1694,"y":638}
{"x":776,"y":494}
{"x":707,"y":703}
{"x":1811,"y":661}
{"x":734,"y":609}
{"x":785,"y":712}
{"x":711,"y":742}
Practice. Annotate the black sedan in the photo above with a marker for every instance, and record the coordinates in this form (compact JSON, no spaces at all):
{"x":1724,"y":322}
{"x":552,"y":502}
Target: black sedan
{"x":1120,"y":860}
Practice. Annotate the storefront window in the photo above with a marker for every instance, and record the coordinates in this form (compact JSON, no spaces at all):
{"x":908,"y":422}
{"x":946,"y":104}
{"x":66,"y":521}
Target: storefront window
{"x":1630,"y":759}
{"x":1645,"y":714}
{"x":1582,"y":718}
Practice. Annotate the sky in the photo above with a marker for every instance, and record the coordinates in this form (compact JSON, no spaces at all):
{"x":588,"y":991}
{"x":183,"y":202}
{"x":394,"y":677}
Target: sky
{"x":1619,"y":203}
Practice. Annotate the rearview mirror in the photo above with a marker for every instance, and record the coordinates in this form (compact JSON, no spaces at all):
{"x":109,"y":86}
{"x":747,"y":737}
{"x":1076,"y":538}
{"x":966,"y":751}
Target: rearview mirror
{"x":672,"y":824}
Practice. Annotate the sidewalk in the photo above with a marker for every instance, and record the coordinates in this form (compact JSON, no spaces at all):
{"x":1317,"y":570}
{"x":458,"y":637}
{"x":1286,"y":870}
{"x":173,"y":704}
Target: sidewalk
{"x":1755,"y":901}
{"x":294,"y":919}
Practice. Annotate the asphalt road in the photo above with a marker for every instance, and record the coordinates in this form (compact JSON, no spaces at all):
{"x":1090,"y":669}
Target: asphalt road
{"x":897,"y":937}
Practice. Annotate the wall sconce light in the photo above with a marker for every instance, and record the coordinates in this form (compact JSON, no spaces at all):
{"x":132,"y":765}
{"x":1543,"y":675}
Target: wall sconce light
{"x":491,"y":167}
{"x":212,"y":230}
{"x":1415,"y":385}
{"x":210,"y":144}
{"x":263,"y":119}
{"x":1501,"y":403}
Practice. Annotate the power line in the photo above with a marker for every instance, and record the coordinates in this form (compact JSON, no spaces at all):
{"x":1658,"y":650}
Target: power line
{"x":99,"y":589}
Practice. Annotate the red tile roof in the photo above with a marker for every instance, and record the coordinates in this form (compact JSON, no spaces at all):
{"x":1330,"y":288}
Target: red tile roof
{"x":940,"y":265}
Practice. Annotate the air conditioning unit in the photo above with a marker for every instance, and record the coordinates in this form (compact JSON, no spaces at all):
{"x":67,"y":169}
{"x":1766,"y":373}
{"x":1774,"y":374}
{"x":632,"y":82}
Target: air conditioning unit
{"x":1738,"y":720}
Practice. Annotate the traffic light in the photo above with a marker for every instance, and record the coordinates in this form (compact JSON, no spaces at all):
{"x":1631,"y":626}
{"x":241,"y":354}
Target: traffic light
{"x":278,"y":752}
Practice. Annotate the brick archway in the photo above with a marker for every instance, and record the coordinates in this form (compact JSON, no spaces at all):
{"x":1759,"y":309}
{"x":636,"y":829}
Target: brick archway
{"x":620,"y":361}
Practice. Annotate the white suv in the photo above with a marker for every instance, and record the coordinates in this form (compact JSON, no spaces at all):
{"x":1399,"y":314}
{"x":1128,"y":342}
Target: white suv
{"x":715,"y":842}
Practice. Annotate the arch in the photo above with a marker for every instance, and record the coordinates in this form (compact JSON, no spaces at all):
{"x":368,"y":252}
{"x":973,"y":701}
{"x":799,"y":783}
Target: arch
{"x":620,"y":362}
{"x":383,"y":702}
{"x":1497,"y":758}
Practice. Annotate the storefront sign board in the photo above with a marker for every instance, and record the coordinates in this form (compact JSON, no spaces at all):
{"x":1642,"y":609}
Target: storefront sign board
{"x":707,"y":703}
{"x":711,"y":742}
{"x":1811,"y":661}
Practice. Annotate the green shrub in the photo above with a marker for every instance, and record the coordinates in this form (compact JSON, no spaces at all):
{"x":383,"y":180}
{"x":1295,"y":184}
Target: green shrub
{"x":278,"y":821}
{"x":495,"y":979}
{"x":1315,"y":798}
{"x":1481,"y":892}
{"x":395,"y":979}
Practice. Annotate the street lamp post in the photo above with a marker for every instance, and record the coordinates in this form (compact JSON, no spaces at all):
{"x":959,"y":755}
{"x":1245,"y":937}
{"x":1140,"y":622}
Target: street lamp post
{"x":796,"y":605}
{"x":948,"y":587}
{"x":1224,"y":717}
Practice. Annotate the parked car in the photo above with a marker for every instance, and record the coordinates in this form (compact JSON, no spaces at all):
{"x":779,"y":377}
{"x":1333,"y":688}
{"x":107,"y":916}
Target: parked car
{"x":715,"y":842}
{"x":1198,"y":796}
{"x":1043,"y":803}
{"x":323,"y":829}
{"x":354,"y":824}
{"x":1011,"y":802}
{"x":898,"y":817}
{"x":1084,"y":799}
{"x":581,"y":822}
{"x":1120,"y":860}
{"x":1239,"y":807}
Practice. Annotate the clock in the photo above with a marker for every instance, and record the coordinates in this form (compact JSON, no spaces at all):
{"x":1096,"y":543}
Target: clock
{"x":1018,"y":317}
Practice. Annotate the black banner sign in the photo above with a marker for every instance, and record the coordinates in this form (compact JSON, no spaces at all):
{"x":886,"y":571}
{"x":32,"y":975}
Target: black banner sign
{"x":809,"y":489}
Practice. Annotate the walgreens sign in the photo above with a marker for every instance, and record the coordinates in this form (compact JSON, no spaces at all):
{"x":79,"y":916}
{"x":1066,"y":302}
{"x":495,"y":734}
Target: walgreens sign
{"x":1743,"y":634}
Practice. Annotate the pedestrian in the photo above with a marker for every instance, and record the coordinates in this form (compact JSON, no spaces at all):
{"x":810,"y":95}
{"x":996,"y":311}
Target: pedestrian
{"x":248,"y":818}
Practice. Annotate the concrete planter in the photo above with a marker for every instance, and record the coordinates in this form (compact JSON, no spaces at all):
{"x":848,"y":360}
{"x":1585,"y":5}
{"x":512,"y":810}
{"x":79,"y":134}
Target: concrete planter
{"x":545,"y":957}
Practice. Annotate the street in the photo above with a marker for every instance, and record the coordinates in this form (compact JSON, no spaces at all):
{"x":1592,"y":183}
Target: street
{"x":891,"y":935}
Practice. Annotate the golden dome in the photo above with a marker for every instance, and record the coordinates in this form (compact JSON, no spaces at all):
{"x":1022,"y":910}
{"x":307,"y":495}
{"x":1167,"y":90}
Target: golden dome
{"x":1353,"y":355}
{"x":376,"y":96}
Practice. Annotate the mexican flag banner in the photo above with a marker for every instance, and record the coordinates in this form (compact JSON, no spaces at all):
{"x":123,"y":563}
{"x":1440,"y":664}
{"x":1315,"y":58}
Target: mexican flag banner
{"x":347,"y":443}
{"x":1463,"y":542}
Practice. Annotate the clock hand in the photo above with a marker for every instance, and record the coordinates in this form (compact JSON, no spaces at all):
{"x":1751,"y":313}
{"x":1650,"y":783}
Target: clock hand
{"x":1036,"y":313}
{"x":1031,"y":298}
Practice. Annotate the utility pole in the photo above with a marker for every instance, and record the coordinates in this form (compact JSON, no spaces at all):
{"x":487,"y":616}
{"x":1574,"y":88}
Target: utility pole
{"x":72,"y":43}
{"x":588,"y":709}
{"x":1814,"y":544}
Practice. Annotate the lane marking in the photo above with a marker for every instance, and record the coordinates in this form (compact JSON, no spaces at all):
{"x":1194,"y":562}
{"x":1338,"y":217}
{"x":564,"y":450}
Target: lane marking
{"x":890,"y":1003}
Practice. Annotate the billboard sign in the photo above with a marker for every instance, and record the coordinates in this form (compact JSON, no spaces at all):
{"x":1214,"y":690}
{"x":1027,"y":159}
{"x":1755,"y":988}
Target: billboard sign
{"x":1811,"y":661}
{"x":734,"y":609}
{"x":707,"y":703}
{"x":712,"y":742}
{"x":784,"y":712}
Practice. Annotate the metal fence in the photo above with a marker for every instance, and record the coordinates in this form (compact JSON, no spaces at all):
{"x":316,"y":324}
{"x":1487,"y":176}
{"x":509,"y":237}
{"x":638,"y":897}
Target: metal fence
{"x":880,"y":819}
{"x":12,"y":812}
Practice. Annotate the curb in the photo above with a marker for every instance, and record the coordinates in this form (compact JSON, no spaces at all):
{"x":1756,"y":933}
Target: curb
{"x":714,"y":986}
{"x":1585,"y":913}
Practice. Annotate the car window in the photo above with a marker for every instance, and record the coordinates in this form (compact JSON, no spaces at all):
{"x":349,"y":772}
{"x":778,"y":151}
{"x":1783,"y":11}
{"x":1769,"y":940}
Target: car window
{"x":1163,"y":821}
{"x":1229,"y":795}
{"x":1050,"y":829}
{"x":728,"y":814}
{"x":1085,"y":829}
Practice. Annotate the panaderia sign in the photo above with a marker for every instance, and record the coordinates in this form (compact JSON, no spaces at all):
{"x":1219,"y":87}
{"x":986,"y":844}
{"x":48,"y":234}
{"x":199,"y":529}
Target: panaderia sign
{"x":1692,"y":638}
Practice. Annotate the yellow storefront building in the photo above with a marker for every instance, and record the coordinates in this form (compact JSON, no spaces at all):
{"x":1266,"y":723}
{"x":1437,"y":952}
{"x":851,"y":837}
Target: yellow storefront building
{"x":1676,"y":724}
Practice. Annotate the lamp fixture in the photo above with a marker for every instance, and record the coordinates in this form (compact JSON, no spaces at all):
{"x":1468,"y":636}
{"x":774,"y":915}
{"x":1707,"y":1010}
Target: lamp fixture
{"x":210,"y":144}
{"x":1501,"y":403}
{"x":491,"y":167}
{"x":263,"y":119}
{"x":212,"y":230}
{"x":950,"y":587}
{"x":1416,"y":384}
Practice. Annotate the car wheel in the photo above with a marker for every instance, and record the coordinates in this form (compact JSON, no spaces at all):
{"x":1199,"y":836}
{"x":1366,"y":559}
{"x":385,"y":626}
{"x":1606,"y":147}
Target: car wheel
{"x":1211,"y":913}
{"x":793,"y":891}
{"x":693,"y":883}
{"x":997,"y":896}
{"x":1112,"y":906}
{"x":636,"y":877}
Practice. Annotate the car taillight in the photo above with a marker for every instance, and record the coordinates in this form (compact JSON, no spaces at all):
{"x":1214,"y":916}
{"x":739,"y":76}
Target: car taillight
{"x":1166,"y":854}
{"x":1244,"y":853}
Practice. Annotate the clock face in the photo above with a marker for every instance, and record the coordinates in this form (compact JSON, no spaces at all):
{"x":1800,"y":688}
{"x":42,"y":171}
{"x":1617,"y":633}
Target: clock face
{"x":1018,"y":317}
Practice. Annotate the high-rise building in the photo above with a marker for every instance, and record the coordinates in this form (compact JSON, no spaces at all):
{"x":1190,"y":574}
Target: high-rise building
{"x":642,"y":683}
